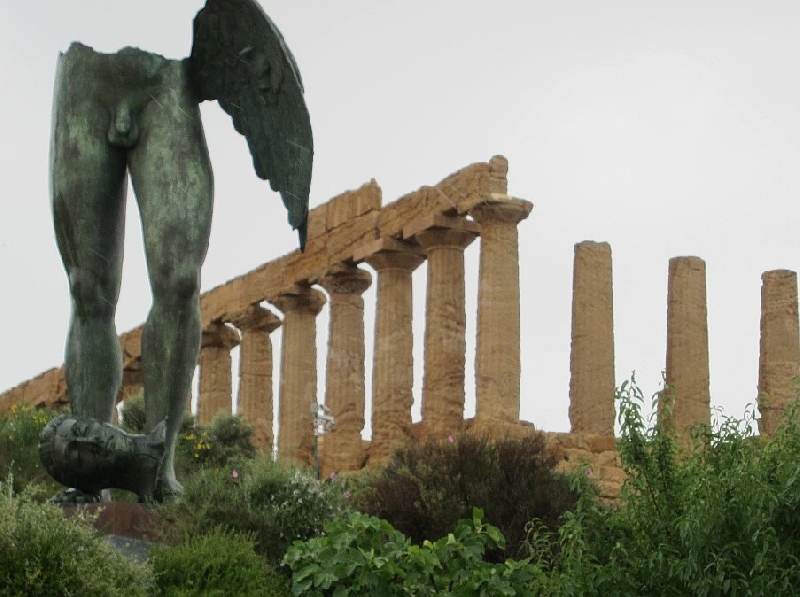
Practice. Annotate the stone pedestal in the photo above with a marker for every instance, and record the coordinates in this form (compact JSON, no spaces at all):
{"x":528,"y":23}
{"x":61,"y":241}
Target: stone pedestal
{"x":592,"y":384}
{"x":254,"y":401}
{"x":393,"y":363}
{"x":444,"y":241}
{"x":497,"y":354}
{"x":686,"y":401}
{"x":216,"y":386}
{"x":344,"y":388}
{"x":779,"y":360}
{"x":298,"y":383}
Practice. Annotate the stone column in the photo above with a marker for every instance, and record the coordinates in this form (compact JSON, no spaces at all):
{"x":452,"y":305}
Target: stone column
{"x":216,"y":387}
{"x":344,"y":388}
{"x":393,"y":361}
{"x":592,"y":384}
{"x":686,"y":401}
{"x":254,"y":401}
{"x":497,"y":354}
{"x":444,"y":240}
{"x":779,"y":361}
{"x":298,"y":383}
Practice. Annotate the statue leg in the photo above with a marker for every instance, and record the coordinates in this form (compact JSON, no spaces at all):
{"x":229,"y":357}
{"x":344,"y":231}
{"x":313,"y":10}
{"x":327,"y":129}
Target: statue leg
{"x":172,"y":181}
{"x":88,"y":200}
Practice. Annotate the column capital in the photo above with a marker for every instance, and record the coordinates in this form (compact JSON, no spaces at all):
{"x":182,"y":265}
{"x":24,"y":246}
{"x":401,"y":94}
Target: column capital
{"x":346,"y":278}
{"x":506,"y":210}
{"x":391,"y":253}
{"x":255,"y":318}
{"x":300,"y":298}
{"x":435,"y":231}
{"x":219,"y":335}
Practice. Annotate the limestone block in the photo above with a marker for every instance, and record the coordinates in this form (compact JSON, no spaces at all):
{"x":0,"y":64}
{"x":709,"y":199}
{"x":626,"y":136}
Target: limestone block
{"x":592,"y":383}
{"x":298,"y":381}
{"x":686,"y":400}
{"x":445,"y":327}
{"x":254,"y":401}
{"x":345,"y":385}
{"x":779,"y":359}
{"x":497,"y":354}
{"x":351,"y":204}
{"x":216,"y":386}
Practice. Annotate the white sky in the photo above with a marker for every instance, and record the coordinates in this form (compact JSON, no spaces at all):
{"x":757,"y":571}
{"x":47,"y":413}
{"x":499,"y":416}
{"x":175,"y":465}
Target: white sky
{"x":664,"y":128}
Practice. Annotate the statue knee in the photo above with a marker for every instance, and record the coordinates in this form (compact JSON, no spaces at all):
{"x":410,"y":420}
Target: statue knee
{"x":91,"y":295}
{"x":177,"y":285}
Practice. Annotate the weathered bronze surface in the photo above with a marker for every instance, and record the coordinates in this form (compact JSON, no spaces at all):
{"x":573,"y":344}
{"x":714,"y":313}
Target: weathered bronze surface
{"x":136,"y":114}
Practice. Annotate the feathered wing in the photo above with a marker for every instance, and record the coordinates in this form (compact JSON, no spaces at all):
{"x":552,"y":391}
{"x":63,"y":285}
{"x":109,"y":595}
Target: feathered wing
{"x":240,"y":59}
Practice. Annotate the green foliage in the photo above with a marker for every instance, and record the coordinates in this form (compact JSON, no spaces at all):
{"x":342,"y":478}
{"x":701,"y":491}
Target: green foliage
{"x":42,"y":554}
{"x":19,"y":447}
{"x":226,"y":441}
{"x":363,"y":555}
{"x":273,"y":503}
{"x":719,"y":520}
{"x":216,"y":564}
{"x":426,"y":489}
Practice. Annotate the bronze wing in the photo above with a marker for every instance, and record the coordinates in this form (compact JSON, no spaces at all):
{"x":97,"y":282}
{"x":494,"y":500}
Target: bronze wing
{"x":240,"y":59}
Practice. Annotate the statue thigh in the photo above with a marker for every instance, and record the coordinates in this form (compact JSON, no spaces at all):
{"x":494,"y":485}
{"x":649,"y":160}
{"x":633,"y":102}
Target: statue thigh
{"x":173,"y":183}
{"x":88,"y":184}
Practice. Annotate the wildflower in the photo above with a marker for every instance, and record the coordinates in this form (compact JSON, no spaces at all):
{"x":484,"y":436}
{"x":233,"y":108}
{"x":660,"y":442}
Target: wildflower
{"x":332,"y":476}
{"x":235,"y":474}
{"x":450,"y":439}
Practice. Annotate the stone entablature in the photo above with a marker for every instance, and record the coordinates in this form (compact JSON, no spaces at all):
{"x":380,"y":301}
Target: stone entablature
{"x":434,"y":225}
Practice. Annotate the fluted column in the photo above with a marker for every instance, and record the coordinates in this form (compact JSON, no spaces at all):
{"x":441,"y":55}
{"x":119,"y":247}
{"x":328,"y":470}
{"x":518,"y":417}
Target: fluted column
{"x":497,"y":353}
{"x":779,"y":360}
{"x":592,"y":384}
{"x":254,"y":401}
{"x":687,"y":394}
{"x":393,"y":361}
{"x":216,"y":386}
{"x":444,"y":240}
{"x":298,"y":383}
{"x":344,"y":387}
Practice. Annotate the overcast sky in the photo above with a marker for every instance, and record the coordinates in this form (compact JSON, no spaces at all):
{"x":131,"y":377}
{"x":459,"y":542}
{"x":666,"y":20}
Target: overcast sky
{"x":664,"y":128}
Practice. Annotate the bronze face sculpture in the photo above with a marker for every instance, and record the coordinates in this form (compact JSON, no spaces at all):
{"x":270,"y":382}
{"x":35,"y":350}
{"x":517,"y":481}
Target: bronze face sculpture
{"x":136,"y":113}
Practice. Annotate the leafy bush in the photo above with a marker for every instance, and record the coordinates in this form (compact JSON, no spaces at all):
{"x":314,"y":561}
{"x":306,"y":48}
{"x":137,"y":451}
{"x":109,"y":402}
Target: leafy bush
{"x":226,"y":441}
{"x":426,"y":489}
{"x":720,"y":520}
{"x":216,"y":564}
{"x":19,"y":447}
{"x":273,"y":503}
{"x":44,"y":554}
{"x":363,"y":555}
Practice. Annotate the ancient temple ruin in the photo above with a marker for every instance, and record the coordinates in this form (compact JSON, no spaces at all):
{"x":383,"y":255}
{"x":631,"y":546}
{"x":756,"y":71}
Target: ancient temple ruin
{"x":354,"y":241}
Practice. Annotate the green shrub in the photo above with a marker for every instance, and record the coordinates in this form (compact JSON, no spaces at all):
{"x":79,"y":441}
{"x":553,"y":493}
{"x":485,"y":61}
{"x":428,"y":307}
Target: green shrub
{"x":19,"y":447}
{"x":216,"y":564}
{"x":363,"y":555}
{"x":273,"y":503}
{"x":43,"y":554}
{"x":719,"y":520}
{"x":426,"y":489}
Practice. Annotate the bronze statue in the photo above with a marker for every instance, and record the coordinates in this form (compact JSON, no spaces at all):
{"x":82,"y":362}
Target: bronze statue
{"x":136,"y":112}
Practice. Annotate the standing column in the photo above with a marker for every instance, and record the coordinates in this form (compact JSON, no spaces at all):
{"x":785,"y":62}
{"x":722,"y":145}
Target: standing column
{"x":216,"y":386}
{"x":687,"y":397}
{"x":344,"y":388}
{"x":591,"y":386}
{"x":298,"y":384}
{"x":393,"y":361}
{"x":497,"y":354}
{"x":444,"y":240}
{"x":779,"y":360}
{"x":255,"y":372}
